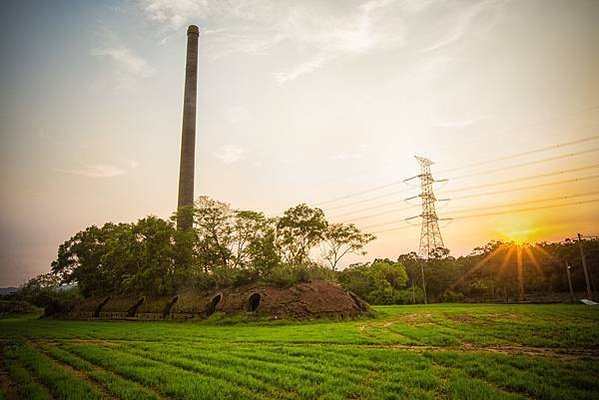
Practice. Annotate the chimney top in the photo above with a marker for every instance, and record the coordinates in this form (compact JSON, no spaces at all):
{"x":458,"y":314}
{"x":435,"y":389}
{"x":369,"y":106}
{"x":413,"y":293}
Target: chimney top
{"x":193,"y":30}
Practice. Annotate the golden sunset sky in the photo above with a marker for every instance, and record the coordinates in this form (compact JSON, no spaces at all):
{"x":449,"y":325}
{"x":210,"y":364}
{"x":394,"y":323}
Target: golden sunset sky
{"x":300,"y":101}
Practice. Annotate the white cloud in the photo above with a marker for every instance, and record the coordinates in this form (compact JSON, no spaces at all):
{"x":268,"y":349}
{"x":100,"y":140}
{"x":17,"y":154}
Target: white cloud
{"x":320,"y":32}
{"x":95,"y":171}
{"x":231,"y":154}
{"x":133,"y":164}
{"x":461,"y":22}
{"x":302,"y":69}
{"x":311,"y":27}
{"x":126,"y":61}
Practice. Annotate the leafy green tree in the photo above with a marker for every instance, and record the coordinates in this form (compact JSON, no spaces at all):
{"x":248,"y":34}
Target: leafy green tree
{"x":263,"y":254}
{"x":45,"y":289}
{"x":214,"y":226}
{"x":299,"y":230}
{"x":249,"y":227}
{"x":340,"y":240}
{"x":149,"y":257}
{"x":79,"y":260}
{"x":382,"y":282}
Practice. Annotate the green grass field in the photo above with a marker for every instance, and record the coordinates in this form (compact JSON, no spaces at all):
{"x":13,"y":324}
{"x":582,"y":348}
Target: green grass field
{"x":407,"y":352}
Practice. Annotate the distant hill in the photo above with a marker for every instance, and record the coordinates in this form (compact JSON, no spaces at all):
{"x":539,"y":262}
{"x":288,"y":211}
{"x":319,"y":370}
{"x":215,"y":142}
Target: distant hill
{"x":8,"y":290}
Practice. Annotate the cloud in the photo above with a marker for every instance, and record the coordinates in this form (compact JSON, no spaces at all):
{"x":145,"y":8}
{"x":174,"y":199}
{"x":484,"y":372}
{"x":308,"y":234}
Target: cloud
{"x":133,"y":164}
{"x":126,"y":61}
{"x":302,"y":69}
{"x":95,"y":171}
{"x":319,"y":31}
{"x":231,"y":154}
{"x":461,"y":21}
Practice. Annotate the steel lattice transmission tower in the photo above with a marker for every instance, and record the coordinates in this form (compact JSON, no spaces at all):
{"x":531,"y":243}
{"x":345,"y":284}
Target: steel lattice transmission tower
{"x":430,"y":234}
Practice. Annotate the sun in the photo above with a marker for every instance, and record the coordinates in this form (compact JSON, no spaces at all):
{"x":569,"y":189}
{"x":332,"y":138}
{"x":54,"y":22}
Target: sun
{"x":519,"y":237}
{"x":518,"y":231}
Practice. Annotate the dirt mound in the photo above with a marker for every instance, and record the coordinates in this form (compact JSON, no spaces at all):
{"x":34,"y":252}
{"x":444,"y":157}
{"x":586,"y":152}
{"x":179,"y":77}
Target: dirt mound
{"x":301,"y":301}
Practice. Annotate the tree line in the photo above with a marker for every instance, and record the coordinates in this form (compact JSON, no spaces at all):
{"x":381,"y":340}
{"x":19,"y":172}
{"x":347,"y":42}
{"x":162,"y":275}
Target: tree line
{"x":229,"y":247}
{"x":225,"y":247}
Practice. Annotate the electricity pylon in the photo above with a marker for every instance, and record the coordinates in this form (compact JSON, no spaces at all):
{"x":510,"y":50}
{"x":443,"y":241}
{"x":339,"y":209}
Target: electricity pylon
{"x":430,"y":234}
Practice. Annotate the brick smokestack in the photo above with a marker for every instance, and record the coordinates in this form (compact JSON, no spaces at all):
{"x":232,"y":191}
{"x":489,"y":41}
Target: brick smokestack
{"x":188,"y":137}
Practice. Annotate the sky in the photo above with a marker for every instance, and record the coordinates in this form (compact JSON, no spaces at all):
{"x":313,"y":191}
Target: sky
{"x":315,"y":101}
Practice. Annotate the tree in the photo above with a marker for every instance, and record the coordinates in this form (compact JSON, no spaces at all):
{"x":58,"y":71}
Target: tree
{"x":299,"y":230}
{"x":214,"y":226}
{"x":340,"y":240}
{"x":148,"y":260}
{"x":249,"y":227}
{"x":263,"y":254}
{"x":79,"y":259}
{"x":45,"y":289}
{"x":382,"y":282}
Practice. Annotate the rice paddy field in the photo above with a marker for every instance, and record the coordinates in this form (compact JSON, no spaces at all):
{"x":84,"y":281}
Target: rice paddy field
{"x":405,"y":352}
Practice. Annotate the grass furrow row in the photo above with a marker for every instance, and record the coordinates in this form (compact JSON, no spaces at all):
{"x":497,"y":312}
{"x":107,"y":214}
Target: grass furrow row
{"x":536,"y":377}
{"x":61,"y":383}
{"x":211,"y":368}
{"x":170,"y":380}
{"x":305,"y":384}
{"x":27,"y":386}
{"x":113,"y":383}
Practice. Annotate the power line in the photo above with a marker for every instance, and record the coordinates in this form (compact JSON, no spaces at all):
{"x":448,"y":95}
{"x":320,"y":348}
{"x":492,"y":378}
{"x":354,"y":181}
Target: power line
{"x":356,"y":193}
{"x":527,"y":187}
{"x":527,"y":163}
{"x":370,"y":199}
{"x":532,"y":177}
{"x":395,"y":229}
{"x":380,"y":213}
{"x":478,"y":195}
{"x":336,"y":199}
{"x":522,"y":210}
{"x":498,"y":206}
{"x":529,"y":209}
{"x":555,"y":198}
{"x":545,"y":175}
{"x":525,"y":153}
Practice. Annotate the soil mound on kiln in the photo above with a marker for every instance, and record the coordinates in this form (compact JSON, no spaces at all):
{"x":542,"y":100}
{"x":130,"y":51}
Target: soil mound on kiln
{"x":318,"y":299}
{"x":300,"y":301}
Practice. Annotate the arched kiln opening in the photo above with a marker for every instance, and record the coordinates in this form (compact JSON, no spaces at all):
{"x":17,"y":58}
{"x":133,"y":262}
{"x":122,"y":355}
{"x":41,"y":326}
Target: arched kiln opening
{"x":131,"y":312}
{"x":253,"y":302}
{"x":213,"y":303}
{"x":99,"y":307}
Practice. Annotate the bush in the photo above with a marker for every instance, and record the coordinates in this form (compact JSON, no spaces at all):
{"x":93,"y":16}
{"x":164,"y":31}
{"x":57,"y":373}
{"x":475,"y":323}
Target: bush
{"x":285,"y":275}
{"x":381,"y":282}
{"x":451,"y":296}
{"x":45,"y":289}
{"x":16,"y":307}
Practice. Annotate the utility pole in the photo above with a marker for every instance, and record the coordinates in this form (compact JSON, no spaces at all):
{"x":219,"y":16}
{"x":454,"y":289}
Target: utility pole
{"x":430,"y":234}
{"x":521,"y":295}
{"x":423,"y":282}
{"x":569,"y":281}
{"x":584,"y":266}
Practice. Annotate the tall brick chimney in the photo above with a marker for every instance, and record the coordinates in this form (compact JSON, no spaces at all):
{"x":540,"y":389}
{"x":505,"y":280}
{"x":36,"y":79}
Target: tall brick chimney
{"x":188,"y":136}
